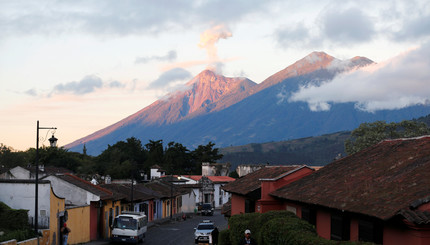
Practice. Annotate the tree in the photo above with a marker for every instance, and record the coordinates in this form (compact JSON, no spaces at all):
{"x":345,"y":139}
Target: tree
{"x":155,"y":152}
{"x":368,"y":134}
{"x":10,"y":158}
{"x":123,"y":159}
{"x":177,"y":159}
{"x":205,"y":153}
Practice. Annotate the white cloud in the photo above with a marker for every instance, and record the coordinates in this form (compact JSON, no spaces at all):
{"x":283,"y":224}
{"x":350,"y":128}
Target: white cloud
{"x":169,"y":77}
{"x":348,"y":26}
{"x":397,"y":83}
{"x":170,"y":56}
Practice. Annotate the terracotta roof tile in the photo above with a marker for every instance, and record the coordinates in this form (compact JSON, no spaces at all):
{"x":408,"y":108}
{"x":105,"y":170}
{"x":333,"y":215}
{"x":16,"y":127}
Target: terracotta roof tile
{"x":378,"y":181}
{"x":97,"y":190}
{"x":251,"y":181}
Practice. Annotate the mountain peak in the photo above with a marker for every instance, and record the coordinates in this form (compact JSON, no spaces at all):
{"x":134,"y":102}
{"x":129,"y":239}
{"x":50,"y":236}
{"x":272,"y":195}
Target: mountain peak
{"x":314,"y":60}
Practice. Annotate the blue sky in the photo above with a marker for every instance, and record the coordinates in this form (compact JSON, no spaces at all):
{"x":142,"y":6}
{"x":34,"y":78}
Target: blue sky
{"x":83,"y":65}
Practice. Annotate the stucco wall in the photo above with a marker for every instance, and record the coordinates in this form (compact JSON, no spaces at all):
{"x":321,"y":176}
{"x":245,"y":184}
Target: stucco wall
{"x":22,"y":196}
{"x":57,"y":205}
{"x":72,"y":193}
{"x":188,"y":203}
{"x":79,"y":224}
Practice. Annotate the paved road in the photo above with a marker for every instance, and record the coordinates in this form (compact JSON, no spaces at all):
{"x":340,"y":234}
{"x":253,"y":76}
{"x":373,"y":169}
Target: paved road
{"x":181,"y":232}
{"x":175,"y":232}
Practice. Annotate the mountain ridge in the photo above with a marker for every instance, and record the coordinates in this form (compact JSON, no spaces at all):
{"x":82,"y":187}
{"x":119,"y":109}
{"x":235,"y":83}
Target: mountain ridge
{"x":230,"y":111}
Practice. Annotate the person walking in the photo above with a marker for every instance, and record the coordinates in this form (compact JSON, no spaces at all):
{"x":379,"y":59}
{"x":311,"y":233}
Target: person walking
{"x":248,"y":239}
{"x":65,"y":233}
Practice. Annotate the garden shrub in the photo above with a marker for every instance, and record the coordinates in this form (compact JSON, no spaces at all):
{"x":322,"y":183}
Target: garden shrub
{"x":18,"y":235}
{"x":224,"y":237}
{"x":239,"y":223}
{"x":13,"y":219}
{"x":276,"y":227}
{"x":14,"y":224}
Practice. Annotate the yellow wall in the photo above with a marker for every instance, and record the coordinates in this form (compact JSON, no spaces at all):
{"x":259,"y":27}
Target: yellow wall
{"x":57,"y":204}
{"x":110,"y":205}
{"x":79,"y":224}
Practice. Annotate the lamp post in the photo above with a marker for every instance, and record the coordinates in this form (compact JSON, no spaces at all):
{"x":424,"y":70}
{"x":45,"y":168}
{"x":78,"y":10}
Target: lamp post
{"x":53,"y":143}
{"x":171,"y":196}
{"x":172,"y":181}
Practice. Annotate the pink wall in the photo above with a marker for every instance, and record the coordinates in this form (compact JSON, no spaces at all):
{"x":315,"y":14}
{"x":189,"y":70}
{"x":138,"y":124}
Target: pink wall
{"x":237,"y":204}
{"x":93,"y":221}
{"x":269,"y":186}
{"x":353,"y":230}
{"x":394,"y":236}
{"x":323,"y":224}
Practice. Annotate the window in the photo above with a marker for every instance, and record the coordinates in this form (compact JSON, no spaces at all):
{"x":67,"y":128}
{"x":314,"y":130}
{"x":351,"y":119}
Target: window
{"x":370,"y":231}
{"x":339,"y":227}
{"x":292,"y":209}
{"x":249,"y":206}
{"x":309,"y":215}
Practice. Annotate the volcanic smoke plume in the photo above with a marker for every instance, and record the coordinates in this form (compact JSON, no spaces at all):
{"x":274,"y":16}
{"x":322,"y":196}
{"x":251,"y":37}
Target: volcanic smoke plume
{"x":210,"y":37}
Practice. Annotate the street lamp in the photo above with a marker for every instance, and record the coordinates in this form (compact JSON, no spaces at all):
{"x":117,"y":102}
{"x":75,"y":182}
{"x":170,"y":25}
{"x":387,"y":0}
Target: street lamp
{"x":53,"y":143}
{"x":172,"y":180}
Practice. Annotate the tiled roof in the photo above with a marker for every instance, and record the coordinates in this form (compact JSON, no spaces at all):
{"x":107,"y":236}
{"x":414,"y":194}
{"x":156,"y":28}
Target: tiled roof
{"x":97,"y":190}
{"x":252,"y":182}
{"x":417,"y":217}
{"x":215,"y":179}
{"x":221,"y":179}
{"x":378,"y":181}
{"x":124,"y":191}
{"x":166,"y":189}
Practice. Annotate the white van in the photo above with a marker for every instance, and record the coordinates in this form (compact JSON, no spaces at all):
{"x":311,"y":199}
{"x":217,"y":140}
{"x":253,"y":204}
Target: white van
{"x":129,"y":227}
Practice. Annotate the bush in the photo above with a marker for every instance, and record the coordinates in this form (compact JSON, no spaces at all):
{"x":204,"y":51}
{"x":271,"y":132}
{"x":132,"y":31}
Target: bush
{"x":224,"y":237}
{"x":241,"y":222}
{"x":19,"y":235}
{"x":285,"y":231}
{"x":265,"y":217}
{"x":275,"y":227}
{"x":13,"y":219}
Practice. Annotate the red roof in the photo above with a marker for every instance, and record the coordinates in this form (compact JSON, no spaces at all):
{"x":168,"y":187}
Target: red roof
{"x":252,"y":181}
{"x":379,"y":181}
{"x":215,"y":179}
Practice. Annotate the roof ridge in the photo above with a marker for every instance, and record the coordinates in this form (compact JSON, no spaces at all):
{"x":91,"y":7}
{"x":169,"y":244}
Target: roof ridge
{"x":89,"y":183}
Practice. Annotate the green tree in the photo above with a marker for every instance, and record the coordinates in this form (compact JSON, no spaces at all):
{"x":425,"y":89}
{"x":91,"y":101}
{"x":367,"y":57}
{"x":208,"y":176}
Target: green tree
{"x":205,"y":153}
{"x":368,"y":134}
{"x":155,"y":152}
{"x":10,"y":158}
{"x":177,"y":159}
{"x":122,"y":160}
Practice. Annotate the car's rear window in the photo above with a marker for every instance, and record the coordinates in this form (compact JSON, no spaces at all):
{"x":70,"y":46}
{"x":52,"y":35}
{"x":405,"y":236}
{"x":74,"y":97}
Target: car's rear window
{"x":207,"y":206}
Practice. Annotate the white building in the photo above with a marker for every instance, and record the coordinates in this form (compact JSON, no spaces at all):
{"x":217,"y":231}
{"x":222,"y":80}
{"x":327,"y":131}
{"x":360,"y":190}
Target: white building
{"x":20,"y":194}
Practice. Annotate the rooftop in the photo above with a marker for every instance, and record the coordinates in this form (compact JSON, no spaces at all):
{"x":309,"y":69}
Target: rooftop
{"x":252,"y":181}
{"x":379,"y":181}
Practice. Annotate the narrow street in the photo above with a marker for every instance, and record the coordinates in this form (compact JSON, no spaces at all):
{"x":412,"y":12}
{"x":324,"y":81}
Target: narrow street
{"x":181,"y":232}
{"x":176,"y":232}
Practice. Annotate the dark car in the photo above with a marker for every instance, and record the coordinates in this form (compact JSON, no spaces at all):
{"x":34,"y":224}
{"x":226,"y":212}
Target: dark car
{"x":207,"y":209}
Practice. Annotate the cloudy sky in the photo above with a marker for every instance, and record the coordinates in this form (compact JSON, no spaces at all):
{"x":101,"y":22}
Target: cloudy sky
{"x":83,"y":65}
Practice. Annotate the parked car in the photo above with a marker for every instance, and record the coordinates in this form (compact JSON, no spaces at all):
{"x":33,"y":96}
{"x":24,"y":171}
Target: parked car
{"x":203,"y":231}
{"x":207,"y":209}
